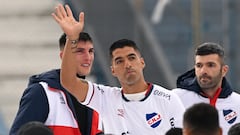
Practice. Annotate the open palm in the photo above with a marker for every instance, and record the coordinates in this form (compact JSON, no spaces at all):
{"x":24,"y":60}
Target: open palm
{"x":64,"y":17}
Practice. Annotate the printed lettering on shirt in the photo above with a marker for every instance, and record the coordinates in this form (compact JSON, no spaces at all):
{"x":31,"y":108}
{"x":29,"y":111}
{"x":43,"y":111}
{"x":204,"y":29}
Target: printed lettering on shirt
{"x":125,"y":133}
{"x":120,"y":112}
{"x":162,"y":94}
{"x":172,"y":122}
{"x":153,"y":119}
{"x":230,"y":116}
{"x":62,"y":100}
{"x":100,"y":89}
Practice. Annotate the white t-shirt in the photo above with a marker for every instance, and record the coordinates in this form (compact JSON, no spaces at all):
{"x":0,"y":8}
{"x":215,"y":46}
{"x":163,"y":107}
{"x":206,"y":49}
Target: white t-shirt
{"x":160,"y":110}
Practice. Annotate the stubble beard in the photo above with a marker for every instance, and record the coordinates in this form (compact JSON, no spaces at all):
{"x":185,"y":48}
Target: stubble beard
{"x":211,"y":83}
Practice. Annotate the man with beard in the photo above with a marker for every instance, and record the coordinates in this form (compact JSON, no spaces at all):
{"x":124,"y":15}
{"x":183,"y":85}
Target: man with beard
{"x":207,"y":83}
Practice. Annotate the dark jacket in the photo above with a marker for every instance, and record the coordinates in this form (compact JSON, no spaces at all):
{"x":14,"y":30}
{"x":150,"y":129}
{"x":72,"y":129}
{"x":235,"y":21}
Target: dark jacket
{"x":34,"y":104}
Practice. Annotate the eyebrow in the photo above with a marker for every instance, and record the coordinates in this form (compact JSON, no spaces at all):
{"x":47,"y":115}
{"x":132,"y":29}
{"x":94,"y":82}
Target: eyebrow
{"x":131,"y":54}
{"x":81,"y":48}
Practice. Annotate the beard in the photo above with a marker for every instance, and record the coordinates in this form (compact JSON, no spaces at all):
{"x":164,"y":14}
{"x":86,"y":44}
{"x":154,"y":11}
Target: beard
{"x":209,"y":82}
{"x":131,"y":79}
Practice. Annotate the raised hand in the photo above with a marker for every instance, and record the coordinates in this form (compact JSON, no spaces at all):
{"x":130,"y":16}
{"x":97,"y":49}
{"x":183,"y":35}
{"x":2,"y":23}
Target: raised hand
{"x":64,"y":17}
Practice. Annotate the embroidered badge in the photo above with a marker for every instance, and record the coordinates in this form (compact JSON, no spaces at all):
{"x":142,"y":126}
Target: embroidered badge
{"x":153,"y":119}
{"x":230,"y":116}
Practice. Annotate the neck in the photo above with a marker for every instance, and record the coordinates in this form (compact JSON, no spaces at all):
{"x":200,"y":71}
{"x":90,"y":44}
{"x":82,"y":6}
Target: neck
{"x":135,"y":88}
{"x":211,"y":92}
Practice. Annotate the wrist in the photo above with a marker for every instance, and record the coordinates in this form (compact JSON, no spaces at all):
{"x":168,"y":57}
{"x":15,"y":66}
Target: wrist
{"x":73,"y":37}
{"x":73,"y":40}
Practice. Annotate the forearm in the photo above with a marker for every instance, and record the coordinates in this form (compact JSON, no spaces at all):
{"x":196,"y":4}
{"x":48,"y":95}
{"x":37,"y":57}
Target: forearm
{"x":72,"y":28}
{"x":68,"y":68}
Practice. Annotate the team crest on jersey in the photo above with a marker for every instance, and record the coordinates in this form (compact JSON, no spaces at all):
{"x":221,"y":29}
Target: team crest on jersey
{"x":153,"y":119}
{"x":230,"y":116}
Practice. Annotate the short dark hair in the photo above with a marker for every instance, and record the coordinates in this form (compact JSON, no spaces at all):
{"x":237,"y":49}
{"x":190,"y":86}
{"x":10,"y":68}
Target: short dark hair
{"x":210,"y":48}
{"x":34,"y":128}
{"x":123,"y":43}
{"x":201,"y":119}
{"x":83,"y":36}
{"x":234,"y":130}
{"x":174,"y":131}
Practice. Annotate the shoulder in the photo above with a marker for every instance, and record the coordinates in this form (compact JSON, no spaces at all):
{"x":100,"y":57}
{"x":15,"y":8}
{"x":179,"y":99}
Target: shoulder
{"x":33,"y":90}
{"x":235,"y":96}
{"x":34,"y":93}
{"x":181,"y":92}
{"x":163,"y":92}
{"x":169,"y":98}
{"x":103,"y":88}
{"x":34,"y":97}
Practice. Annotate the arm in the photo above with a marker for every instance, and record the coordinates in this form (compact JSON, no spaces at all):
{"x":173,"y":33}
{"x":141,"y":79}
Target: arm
{"x":33,"y":107}
{"x":72,"y":28}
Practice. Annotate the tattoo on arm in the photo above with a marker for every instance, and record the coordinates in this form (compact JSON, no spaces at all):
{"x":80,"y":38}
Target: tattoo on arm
{"x":74,"y":49}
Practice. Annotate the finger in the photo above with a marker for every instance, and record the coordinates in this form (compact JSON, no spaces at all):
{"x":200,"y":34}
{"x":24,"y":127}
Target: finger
{"x":62,"y":10}
{"x":55,"y":17}
{"x":58,"y":13}
{"x":81,"y":18}
{"x":69,"y":11}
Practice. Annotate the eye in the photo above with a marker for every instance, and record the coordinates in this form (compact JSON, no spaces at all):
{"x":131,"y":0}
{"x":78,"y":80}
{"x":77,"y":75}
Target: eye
{"x":118,"y":61}
{"x":79,"y":50}
{"x":91,"y":51}
{"x":198,"y":65}
{"x":132,"y":58}
{"x":211,"y":64}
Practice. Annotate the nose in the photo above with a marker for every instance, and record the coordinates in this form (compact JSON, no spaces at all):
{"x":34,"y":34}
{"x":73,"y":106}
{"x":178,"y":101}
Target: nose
{"x":127,"y":64}
{"x":87,"y":56}
{"x":203,"y":69}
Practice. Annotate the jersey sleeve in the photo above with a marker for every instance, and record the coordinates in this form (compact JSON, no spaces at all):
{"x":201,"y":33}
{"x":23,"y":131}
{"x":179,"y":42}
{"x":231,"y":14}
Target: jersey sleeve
{"x":94,"y":97}
{"x":178,"y":91}
{"x":99,"y":96}
{"x":177,"y":111}
{"x":33,"y":107}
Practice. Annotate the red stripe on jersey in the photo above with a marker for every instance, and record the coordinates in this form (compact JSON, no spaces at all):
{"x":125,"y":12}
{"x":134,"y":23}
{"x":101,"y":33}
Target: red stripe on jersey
{"x":95,"y":121}
{"x":63,"y":130}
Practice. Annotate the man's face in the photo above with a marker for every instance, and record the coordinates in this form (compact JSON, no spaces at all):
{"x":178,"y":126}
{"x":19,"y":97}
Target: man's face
{"x":209,"y":71}
{"x":127,"y":65}
{"x":84,"y":57}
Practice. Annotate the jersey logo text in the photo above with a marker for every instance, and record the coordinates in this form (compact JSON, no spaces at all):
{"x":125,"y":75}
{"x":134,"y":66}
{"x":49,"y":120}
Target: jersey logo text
{"x":153,"y":119}
{"x":230,"y":116}
{"x":162,"y":94}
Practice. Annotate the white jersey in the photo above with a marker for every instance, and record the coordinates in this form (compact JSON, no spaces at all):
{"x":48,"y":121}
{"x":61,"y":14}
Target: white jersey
{"x":228,"y":108}
{"x":160,"y":110}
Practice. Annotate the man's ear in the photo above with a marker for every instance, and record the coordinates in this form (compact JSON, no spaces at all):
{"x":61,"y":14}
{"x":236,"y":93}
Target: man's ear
{"x":61,"y":54}
{"x":225,"y":69}
{"x":220,"y":131}
{"x":185,"y":131}
{"x":143,"y":62}
{"x":112,"y":70}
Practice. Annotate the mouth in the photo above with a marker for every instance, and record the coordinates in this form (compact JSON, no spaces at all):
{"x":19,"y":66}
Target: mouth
{"x":205,"y":78}
{"x":86,"y":65}
{"x":130,"y":71}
